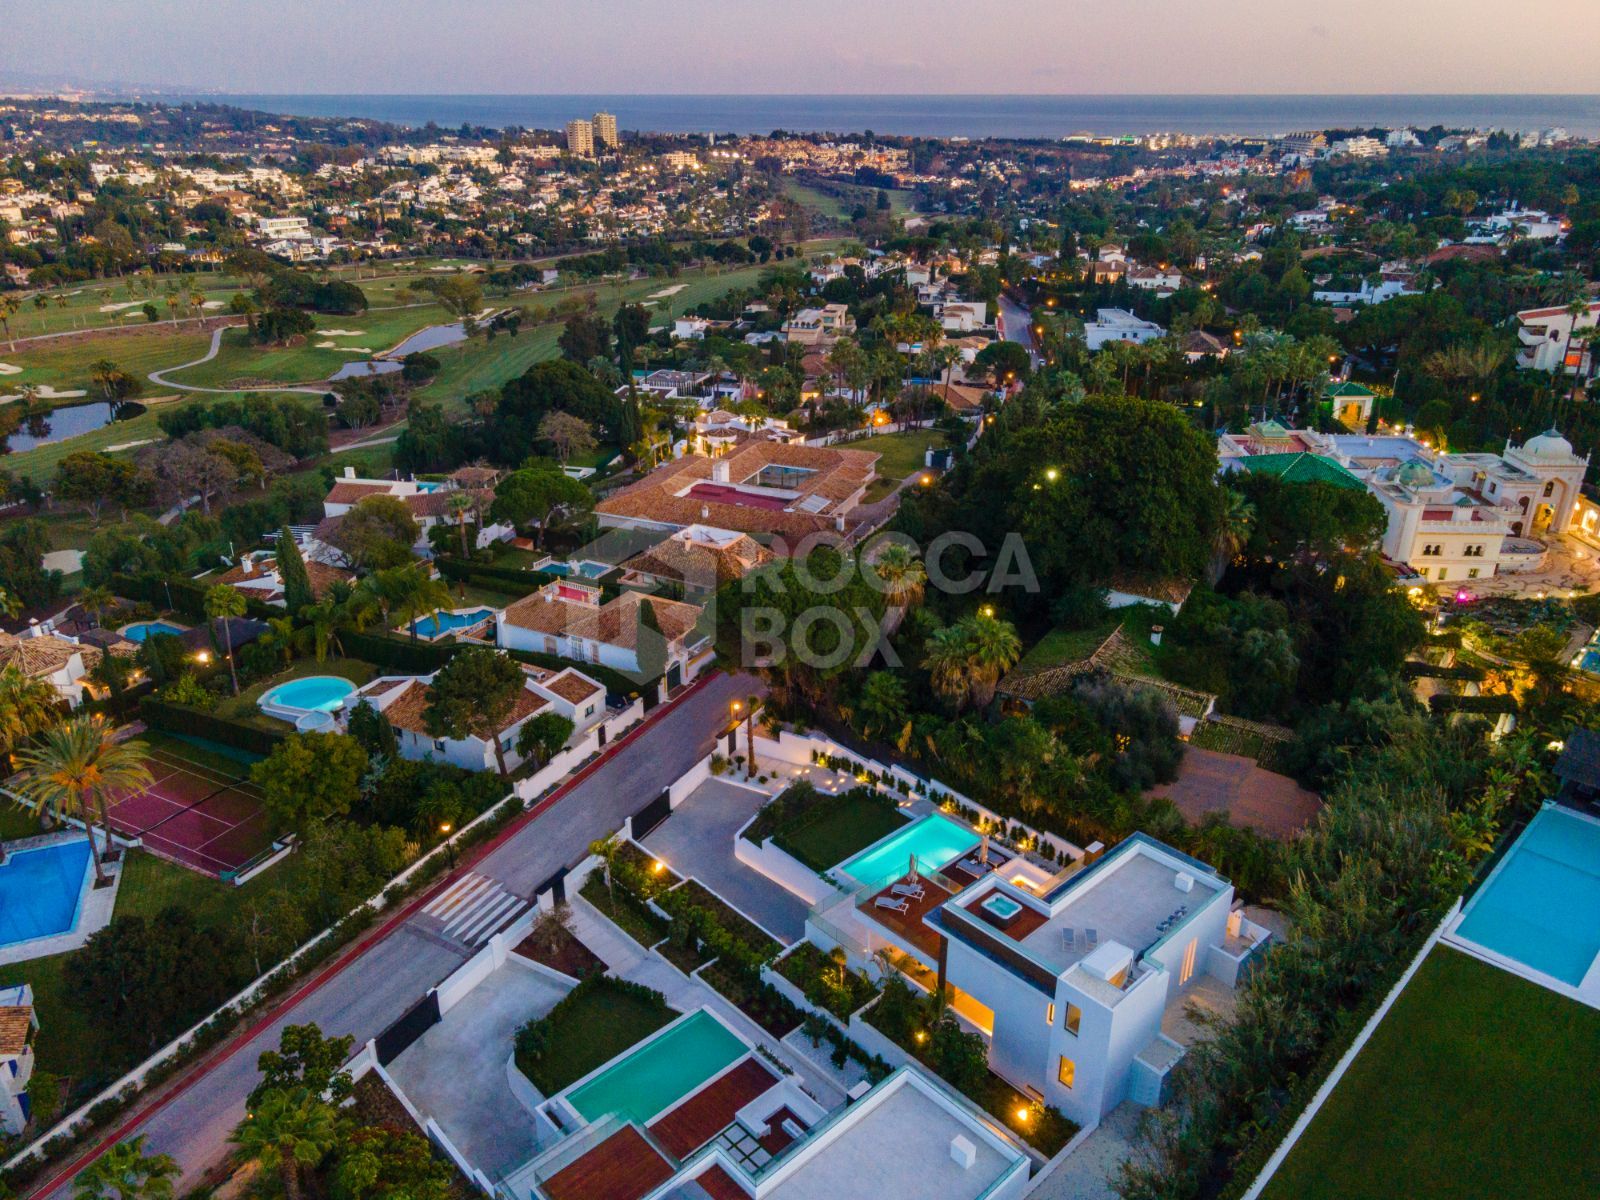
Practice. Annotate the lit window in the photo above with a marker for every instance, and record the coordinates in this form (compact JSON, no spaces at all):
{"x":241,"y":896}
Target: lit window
{"x":1067,"y":1071}
{"x":1442,"y":573}
{"x":1049,"y":1014}
{"x":1472,"y":573}
{"x":1074,"y":1019}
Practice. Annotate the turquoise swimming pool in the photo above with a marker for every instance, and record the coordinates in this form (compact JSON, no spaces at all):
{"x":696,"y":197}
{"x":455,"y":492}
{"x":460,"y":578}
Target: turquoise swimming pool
{"x":658,"y":1073}
{"x":935,"y":840}
{"x":442,"y":622}
{"x":314,"y":693}
{"x":39,"y":891}
{"x":143,"y":629}
{"x":1539,"y":906}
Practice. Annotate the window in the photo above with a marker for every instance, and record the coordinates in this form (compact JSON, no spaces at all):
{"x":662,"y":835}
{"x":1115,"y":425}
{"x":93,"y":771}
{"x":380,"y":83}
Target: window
{"x":1442,"y":574}
{"x":1049,"y":1014}
{"x":1186,"y":971}
{"x":1472,"y":572}
{"x":1430,"y":551}
{"x":1067,"y":1071}
{"x":439,"y":745}
{"x":1074,"y":1019}
{"x":1550,"y":488}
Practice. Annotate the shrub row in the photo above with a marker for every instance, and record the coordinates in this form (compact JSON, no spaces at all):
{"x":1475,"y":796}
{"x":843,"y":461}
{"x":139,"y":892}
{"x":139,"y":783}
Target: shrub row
{"x":181,"y":719}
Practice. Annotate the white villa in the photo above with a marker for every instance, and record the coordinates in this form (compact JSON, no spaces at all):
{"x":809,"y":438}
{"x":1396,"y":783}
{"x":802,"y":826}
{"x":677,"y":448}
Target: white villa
{"x":18,"y":1024}
{"x":819,"y":326}
{"x":430,"y":503}
{"x":403,"y":699}
{"x":568,"y":619}
{"x":1451,"y":517}
{"x":1546,"y":335}
{"x":61,"y":661}
{"x":1119,"y":325}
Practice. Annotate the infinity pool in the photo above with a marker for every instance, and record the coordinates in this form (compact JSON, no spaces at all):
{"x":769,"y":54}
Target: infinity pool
{"x":39,"y":891}
{"x":442,"y":622}
{"x":659,"y":1072}
{"x":314,"y":693}
{"x":934,"y":840}
{"x":1539,"y":906}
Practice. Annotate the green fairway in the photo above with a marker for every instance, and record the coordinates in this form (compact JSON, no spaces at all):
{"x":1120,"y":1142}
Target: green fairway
{"x":1476,"y":1083}
{"x":68,"y":365}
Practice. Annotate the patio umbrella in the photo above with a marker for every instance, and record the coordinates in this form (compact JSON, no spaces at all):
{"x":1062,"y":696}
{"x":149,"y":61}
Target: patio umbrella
{"x":912,"y":873}
{"x":983,"y":851}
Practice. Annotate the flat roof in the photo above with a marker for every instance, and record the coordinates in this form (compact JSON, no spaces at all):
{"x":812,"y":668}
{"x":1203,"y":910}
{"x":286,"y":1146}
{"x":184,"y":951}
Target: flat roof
{"x":898,"y":1147}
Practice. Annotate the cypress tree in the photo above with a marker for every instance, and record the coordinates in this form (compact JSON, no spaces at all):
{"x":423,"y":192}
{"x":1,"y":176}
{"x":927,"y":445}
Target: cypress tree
{"x":292,"y":570}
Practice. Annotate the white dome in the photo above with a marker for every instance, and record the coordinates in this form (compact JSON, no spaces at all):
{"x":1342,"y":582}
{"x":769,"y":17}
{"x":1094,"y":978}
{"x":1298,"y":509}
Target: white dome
{"x":1549,"y":444}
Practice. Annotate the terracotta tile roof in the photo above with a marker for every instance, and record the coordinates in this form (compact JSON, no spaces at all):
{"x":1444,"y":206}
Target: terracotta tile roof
{"x":613,"y":624}
{"x":320,"y":574}
{"x":345,"y":492}
{"x":700,"y":564}
{"x":476,"y":476}
{"x":406,"y":711}
{"x":43,"y":655}
{"x":572,"y":687}
{"x":16,"y":1022}
{"x":839,"y":475}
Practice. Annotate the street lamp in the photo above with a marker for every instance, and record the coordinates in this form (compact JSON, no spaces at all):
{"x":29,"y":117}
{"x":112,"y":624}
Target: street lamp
{"x":449,"y":846}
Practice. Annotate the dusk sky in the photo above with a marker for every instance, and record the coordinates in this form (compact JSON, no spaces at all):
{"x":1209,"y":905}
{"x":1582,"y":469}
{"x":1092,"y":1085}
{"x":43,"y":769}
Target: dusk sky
{"x":850,"y":46}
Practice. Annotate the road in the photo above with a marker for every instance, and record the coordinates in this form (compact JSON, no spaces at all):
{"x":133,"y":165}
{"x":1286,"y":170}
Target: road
{"x":1017,"y":324}
{"x":378,"y":985}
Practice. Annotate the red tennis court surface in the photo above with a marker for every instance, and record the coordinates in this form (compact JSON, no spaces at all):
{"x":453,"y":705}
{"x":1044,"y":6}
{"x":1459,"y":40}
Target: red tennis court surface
{"x":195,"y":816}
{"x":719,"y":493}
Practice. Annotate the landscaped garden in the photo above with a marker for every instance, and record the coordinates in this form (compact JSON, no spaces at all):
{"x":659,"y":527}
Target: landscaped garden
{"x":1476,"y":1083}
{"x":590,"y":1025}
{"x":822,"y":829}
{"x":826,"y":980}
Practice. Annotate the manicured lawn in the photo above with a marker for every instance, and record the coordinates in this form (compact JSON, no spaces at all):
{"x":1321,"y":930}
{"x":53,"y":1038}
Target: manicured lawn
{"x":1476,"y":1083}
{"x":902,"y":453}
{"x":591,"y":1029}
{"x":815,"y":199}
{"x":837,"y":828}
{"x":68,"y":364}
{"x":243,"y":706}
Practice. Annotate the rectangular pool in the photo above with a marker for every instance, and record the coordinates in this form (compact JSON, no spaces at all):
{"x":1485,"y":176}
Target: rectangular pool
{"x":39,"y":891}
{"x":1541,"y":905}
{"x":934,"y":840}
{"x":658,"y":1073}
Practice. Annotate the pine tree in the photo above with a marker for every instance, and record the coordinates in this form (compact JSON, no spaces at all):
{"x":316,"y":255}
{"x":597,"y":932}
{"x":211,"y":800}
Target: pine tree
{"x":292,"y":570}
{"x":650,"y":645}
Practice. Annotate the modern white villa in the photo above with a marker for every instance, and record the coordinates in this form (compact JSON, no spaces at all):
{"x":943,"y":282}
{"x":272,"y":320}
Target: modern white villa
{"x":1451,"y":517}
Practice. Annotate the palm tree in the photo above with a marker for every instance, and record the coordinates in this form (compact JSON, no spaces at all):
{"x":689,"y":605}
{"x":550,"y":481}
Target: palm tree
{"x":27,"y":706}
{"x":606,"y":849}
{"x":126,"y":1172}
{"x":95,"y":601}
{"x":946,"y":659}
{"x":1233,"y":530}
{"x":224,"y":603}
{"x":903,"y":575}
{"x":282,"y":636}
{"x":324,"y":621}
{"x":75,"y":767}
{"x":969,"y":657}
{"x":1576,"y":309}
{"x":8,"y":309}
{"x":413,"y":593}
{"x":288,"y":1130}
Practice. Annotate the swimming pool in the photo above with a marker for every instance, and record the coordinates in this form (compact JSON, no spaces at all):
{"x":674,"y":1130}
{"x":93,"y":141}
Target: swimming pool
{"x":1538,"y":906}
{"x":40,"y":889}
{"x":935,"y":840}
{"x":314,"y":693}
{"x":143,"y":629}
{"x":586,"y":568}
{"x":439,"y":623}
{"x":659,"y":1072}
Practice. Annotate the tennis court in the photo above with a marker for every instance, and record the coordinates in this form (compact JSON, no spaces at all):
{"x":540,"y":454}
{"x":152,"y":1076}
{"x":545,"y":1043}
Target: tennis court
{"x":196,"y":815}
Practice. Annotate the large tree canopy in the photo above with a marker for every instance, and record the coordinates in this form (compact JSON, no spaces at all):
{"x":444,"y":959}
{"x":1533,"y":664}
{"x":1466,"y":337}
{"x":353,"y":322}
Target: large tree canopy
{"x":545,"y":388}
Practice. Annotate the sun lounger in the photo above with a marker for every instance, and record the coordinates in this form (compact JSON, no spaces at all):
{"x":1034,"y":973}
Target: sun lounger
{"x":911,"y":891}
{"x":1092,"y":936}
{"x":1069,"y":938}
{"x":893,"y":905}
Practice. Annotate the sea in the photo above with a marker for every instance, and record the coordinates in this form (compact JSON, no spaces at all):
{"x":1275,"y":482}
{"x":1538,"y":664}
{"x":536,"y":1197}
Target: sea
{"x":975,"y":116}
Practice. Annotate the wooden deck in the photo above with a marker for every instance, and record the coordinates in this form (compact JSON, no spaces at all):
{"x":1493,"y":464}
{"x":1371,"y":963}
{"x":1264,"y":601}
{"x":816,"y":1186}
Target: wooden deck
{"x":712,"y":1109}
{"x":623,"y":1167}
{"x":718,"y":1186}
{"x":908,"y":926}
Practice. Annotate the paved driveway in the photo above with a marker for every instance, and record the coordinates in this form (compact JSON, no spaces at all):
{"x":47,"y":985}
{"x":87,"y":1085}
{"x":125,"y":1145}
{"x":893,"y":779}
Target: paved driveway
{"x":697,"y":839}
{"x":456,"y":1072}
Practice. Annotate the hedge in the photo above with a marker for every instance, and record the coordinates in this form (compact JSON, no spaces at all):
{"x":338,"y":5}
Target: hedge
{"x":178,"y":718}
{"x":496,"y":578}
{"x":1423,"y":670}
{"x":187,"y":596}
{"x":1474,"y":704}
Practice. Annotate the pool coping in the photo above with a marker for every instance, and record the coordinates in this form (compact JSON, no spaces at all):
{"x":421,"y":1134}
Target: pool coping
{"x":840,"y":869}
{"x":92,"y":913}
{"x":279,"y":712}
{"x":1587,"y":990}
{"x":563,"y":1097}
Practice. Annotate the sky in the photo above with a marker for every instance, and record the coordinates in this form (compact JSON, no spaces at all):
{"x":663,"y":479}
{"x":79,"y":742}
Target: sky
{"x":822,"y":46}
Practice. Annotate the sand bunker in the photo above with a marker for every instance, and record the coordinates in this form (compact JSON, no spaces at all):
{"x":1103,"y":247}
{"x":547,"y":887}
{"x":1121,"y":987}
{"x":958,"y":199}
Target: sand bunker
{"x":341,"y":332}
{"x":120,"y":307}
{"x":46,"y":392}
{"x":8,"y":369}
{"x":129,"y":445}
{"x":215,"y":304}
{"x":665,"y":292}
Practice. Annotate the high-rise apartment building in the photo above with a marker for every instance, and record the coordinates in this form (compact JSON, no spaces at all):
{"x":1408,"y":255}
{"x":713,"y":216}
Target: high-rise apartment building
{"x":605,"y":130}
{"x":580,"y":137}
